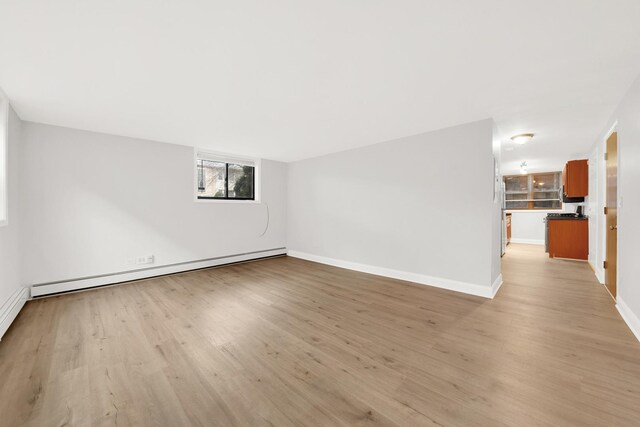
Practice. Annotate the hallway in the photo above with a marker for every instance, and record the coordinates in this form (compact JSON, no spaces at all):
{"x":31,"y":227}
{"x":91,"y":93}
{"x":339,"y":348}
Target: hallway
{"x":574,"y":356}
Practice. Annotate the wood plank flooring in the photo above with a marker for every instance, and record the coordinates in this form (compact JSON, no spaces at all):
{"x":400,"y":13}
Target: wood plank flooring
{"x":289,"y":342}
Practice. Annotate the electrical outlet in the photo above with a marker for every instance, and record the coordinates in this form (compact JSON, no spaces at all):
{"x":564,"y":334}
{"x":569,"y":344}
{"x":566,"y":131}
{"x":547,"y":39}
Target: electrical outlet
{"x":145,"y":259}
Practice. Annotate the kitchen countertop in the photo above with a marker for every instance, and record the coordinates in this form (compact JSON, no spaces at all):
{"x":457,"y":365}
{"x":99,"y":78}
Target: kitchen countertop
{"x":564,"y":218}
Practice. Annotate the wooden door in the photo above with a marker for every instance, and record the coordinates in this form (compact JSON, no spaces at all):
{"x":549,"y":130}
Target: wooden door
{"x":611,"y":270}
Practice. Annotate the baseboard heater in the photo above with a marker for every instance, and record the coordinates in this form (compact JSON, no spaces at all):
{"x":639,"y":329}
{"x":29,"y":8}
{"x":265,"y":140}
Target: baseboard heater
{"x":51,"y":288}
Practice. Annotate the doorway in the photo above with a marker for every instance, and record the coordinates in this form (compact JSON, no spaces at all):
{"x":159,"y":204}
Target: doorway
{"x":611,"y":211}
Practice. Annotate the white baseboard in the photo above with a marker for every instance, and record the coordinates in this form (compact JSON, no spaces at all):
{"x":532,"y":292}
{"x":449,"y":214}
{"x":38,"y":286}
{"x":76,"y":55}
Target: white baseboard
{"x":528,"y":241}
{"x":128,"y":276}
{"x":598,"y":272}
{"x":438,"y":282}
{"x":496,"y":286}
{"x":10,"y":309}
{"x":629,"y":317}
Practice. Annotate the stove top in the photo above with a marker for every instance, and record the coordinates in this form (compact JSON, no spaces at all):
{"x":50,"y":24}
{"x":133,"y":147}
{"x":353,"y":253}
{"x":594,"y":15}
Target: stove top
{"x":564,"y":215}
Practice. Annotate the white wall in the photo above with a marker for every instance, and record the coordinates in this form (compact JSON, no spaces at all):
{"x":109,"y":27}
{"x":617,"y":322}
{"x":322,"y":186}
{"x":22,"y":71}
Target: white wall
{"x":416,"y":207}
{"x":12,"y":294}
{"x":528,"y":227}
{"x":92,"y":201}
{"x":496,"y":208}
{"x":594,"y":209}
{"x":627,"y":117}
{"x":9,"y":234}
{"x":4,"y":161}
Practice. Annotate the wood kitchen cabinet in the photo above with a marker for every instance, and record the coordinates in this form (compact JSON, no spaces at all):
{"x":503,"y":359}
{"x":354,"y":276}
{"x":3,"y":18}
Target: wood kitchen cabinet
{"x":575,"y":178}
{"x":568,"y":238}
{"x":508,"y":219}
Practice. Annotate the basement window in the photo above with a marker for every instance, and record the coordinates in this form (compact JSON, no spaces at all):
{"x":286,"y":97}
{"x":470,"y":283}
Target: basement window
{"x":220,"y":177}
{"x":4,"y":149}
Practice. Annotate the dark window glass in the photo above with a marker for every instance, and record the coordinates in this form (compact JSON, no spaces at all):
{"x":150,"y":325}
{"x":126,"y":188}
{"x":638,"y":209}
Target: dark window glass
{"x":546,"y":181}
{"x":517,"y":205}
{"x":547,"y":204}
{"x":219,"y":180}
{"x":519,"y":183}
{"x":240,"y":181}
{"x":201,"y":185}
{"x":211,"y":177}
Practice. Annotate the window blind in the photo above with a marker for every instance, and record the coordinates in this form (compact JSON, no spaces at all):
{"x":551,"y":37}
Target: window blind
{"x":204,"y":155}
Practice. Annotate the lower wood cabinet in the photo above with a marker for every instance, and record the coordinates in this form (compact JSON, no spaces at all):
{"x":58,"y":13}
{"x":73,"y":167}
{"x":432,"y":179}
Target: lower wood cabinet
{"x":569,"y":238}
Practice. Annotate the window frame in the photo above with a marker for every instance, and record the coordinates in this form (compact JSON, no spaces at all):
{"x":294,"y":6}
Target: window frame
{"x":530,"y":190}
{"x":4,"y":159}
{"x":227,"y":159}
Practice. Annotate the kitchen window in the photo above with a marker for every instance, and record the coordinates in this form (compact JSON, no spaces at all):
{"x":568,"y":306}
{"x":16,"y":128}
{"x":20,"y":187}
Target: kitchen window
{"x":534,"y":191}
{"x":220,"y":177}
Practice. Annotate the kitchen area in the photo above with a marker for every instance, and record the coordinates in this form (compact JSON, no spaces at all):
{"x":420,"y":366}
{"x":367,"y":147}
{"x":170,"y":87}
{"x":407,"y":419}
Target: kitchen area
{"x":547,"y":209}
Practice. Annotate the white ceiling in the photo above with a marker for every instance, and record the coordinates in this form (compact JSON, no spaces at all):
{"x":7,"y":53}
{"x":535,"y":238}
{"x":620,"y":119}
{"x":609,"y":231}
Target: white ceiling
{"x":293,"y":79}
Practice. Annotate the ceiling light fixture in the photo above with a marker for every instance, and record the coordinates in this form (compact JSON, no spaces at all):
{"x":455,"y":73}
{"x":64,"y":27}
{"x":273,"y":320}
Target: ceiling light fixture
{"x":523,"y":138}
{"x":523,"y":168}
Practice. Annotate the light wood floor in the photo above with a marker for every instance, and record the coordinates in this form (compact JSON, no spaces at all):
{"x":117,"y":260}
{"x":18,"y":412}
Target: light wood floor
{"x":289,"y":342}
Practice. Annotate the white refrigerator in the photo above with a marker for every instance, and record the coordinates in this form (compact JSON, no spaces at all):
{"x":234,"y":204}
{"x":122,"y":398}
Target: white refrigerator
{"x":504,"y":217}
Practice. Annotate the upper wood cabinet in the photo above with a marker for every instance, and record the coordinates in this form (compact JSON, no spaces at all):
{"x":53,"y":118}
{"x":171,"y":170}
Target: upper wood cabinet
{"x":575,"y":178}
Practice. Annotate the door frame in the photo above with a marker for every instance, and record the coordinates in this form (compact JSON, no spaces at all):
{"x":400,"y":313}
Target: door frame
{"x":603,"y":228}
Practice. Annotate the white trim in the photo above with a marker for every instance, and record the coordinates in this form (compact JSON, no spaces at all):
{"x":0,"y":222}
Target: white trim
{"x":438,"y":282}
{"x":228,"y":201}
{"x":632,"y":321}
{"x":495,"y":287}
{"x":10,"y":309}
{"x":612,"y":129}
{"x":527,"y":241}
{"x":216,"y":156}
{"x":4,"y":159}
{"x":598,"y":272}
{"x":128,"y":276}
{"x":600,"y":275}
